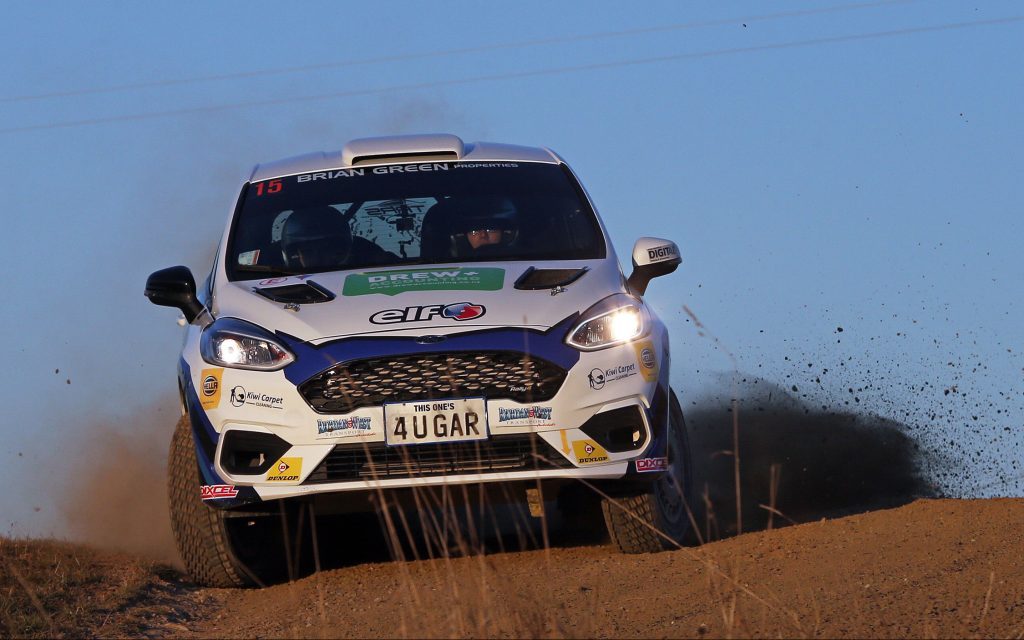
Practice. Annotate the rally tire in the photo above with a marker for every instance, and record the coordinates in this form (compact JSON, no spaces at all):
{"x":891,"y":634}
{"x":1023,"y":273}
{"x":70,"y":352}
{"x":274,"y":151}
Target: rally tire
{"x":657,"y":519}
{"x":200,"y":532}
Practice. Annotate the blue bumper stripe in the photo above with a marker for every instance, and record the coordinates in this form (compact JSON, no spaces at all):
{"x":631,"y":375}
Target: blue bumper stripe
{"x":549,"y":345}
{"x":203,"y":431}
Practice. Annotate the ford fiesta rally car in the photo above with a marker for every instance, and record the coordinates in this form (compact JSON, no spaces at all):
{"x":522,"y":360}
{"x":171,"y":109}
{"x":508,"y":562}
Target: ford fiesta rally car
{"x":413,"y":312}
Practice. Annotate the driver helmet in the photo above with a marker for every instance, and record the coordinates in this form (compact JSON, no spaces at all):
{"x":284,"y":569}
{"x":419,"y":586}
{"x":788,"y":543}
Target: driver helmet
{"x":316,"y":238}
{"x":484,"y":224}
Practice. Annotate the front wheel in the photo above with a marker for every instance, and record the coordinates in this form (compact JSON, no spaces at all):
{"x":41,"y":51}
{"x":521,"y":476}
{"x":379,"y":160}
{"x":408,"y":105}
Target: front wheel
{"x":200,"y":531}
{"x":657,"y":519}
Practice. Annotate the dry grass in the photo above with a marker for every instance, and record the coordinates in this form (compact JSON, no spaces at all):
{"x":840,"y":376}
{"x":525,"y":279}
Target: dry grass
{"x":54,"y":589}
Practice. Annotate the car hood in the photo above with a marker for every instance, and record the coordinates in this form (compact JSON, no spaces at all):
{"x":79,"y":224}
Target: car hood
{"x":421,"y":300}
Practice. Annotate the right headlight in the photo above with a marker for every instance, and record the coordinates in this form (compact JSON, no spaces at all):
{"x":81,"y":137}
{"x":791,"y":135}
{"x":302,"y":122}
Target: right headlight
{"x":230,"y":342}
{"x":620,"y":324}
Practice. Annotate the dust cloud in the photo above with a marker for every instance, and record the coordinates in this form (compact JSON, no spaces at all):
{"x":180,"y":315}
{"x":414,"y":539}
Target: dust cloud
{"x":797,"y":463}
{"x":113,"y":495}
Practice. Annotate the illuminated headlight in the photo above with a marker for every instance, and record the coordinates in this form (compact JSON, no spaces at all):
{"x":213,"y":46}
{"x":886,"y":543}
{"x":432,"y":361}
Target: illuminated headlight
{"x":610,"y":328}
{"x":230,"y":342}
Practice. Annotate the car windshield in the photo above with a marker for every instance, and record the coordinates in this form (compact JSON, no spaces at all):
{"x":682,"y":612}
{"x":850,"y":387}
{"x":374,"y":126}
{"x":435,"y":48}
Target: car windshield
{"x":422,"y":213}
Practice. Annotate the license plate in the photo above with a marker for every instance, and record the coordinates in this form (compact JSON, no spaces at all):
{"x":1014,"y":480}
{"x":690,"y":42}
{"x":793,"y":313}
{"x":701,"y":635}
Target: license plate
{"x":435,"y":421}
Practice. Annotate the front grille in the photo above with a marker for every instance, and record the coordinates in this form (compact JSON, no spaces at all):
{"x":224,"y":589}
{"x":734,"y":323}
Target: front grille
{"x":372,"y":382}
{"x":378,"y":461}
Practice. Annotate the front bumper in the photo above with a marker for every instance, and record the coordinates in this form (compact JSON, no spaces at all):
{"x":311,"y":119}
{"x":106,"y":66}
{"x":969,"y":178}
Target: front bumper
{"x":607,"y":420}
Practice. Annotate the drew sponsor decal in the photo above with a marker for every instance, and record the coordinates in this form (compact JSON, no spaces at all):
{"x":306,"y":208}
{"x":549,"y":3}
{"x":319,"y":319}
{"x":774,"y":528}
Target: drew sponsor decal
{"x":458,"y":311}
{"x":217,"y":491}
{"x":646,"y":465}
{"x":648,"y":361}
{"x":285,"y":470}
{"x":342,"y":427}
{"x":600,"y":377}
{"x":526,"y":416}
{"x":392,"y":283}
{"x":589,"y":452}
{"x":209,"y":389}
{"x":662,"y":253}
{"x":241,"y":397}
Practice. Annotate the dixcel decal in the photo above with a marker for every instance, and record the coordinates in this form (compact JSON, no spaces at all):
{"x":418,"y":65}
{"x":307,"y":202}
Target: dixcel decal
{"x":589,"y":452}
{"x":600,"y":377}
{"x":648,"y":361}
{"x":525,"y":416}
{"x":241,"y":397}
{"x":394,"y":282}
{"x":458,"y":311}
{"x":342,"y":427}
{"x":285,"y":470}
{"x":217,"y":491}
{"x":209,"y":392}
{"x":646,"y":465}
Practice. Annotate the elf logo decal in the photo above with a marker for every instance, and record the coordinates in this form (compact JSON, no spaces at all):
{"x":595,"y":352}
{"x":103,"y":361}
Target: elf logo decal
{"x":589,"y":452}
{"x":285,"y":470}
{"x":458,"y":311}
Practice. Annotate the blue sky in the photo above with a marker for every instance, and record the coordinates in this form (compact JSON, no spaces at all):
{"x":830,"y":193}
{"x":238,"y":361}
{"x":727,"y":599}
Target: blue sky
{"x":820,"y":166}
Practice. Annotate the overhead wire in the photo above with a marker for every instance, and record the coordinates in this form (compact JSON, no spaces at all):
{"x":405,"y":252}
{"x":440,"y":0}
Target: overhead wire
{"x":263,"y":73}
{"x":517,"y":75}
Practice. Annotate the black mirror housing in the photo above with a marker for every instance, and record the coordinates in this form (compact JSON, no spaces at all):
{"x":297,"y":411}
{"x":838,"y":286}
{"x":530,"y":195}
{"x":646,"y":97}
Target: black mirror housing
{"x":174,"y":287}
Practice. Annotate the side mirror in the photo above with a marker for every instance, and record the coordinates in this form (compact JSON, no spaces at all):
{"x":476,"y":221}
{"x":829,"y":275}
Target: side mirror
{"x":652,"y":257}
{"x":174,"y":287}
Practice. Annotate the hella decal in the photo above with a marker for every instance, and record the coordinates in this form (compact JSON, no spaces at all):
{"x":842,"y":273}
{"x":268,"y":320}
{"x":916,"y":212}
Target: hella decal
{"x":210,"y":392}
{"x":458,"y":311}
{"x":648,"y":361}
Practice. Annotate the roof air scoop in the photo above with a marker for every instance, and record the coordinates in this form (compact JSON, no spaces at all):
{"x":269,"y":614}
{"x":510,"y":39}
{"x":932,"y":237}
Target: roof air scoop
{"x":431,"y":146}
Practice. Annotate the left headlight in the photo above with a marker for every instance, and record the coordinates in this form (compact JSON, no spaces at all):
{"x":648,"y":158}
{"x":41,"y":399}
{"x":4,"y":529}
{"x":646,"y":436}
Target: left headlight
{"x":230,"y":342}
{"x":620,"y":324}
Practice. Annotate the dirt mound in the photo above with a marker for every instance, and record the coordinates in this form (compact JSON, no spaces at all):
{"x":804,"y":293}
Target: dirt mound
{"x":54,"y":589}
{"x":931,"y":568}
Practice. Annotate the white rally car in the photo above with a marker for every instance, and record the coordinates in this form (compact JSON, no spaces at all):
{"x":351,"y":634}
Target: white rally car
{"x":415,"y":311}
